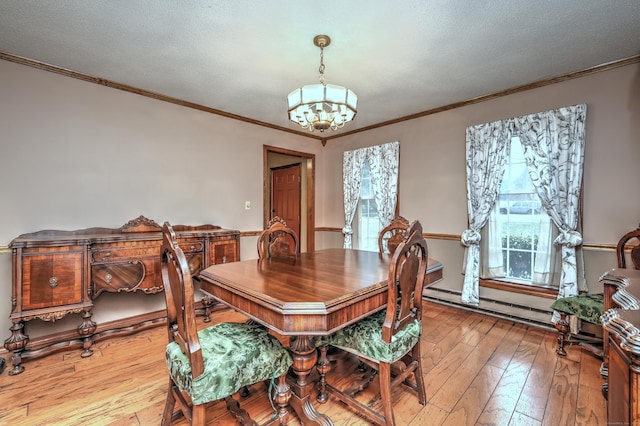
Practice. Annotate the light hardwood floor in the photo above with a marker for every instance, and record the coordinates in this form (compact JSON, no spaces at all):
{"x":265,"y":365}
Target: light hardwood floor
{"x":478,"y":370}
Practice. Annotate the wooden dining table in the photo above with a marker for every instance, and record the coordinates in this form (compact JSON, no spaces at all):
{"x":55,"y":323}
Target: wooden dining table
{"x":306,"y":295}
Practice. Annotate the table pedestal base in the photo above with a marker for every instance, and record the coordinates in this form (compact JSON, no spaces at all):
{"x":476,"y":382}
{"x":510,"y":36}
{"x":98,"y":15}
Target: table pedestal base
{"x":305,"y":356}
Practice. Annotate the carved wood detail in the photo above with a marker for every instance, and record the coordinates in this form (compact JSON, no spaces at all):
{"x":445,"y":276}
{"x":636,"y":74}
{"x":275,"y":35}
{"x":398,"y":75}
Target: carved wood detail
{"x":58,"y":273}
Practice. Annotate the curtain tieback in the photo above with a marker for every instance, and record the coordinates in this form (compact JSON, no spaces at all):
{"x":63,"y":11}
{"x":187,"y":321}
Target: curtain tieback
{"x":347,"y":230}
{"x":470,"y":237}
{"x":568,"y":238}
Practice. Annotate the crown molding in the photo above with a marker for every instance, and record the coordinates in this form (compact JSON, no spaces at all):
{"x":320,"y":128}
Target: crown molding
{"x":323,"y":140}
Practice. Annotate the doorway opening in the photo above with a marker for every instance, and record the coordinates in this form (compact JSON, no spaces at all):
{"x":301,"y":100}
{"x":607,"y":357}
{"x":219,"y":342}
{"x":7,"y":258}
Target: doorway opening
{"x":282,"y":165}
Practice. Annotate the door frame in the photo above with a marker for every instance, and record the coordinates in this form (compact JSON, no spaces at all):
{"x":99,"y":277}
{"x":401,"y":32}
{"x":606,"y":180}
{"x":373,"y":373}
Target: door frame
{"x":310,"y":189}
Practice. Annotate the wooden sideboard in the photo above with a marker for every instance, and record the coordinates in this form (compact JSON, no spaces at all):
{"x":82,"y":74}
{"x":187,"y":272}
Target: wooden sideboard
{"x":57,"y":273}
{"x":621,"y":325}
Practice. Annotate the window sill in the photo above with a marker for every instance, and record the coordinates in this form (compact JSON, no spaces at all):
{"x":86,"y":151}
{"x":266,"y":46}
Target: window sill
{"x":549,"y":293}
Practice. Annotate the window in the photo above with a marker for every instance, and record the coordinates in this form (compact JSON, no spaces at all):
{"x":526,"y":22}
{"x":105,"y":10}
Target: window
{"x":370,"y":185}
{"x":369,"y":224}
{"x":553,"y":144}
{"x":518,"y":231}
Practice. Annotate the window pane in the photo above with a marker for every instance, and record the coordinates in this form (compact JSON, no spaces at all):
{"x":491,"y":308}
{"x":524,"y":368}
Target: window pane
{"x":369,"y":225}
{"x":366,"y":191}
{"x":519,"y":218}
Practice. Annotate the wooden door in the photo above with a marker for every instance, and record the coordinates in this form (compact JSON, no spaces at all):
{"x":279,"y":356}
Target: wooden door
{"x":285,"y":196}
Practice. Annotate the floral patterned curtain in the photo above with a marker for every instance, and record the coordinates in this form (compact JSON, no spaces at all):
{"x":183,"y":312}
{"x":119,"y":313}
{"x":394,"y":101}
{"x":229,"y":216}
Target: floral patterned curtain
{"x":487,"y":153}
{"x":352,"y":165}
{"x":553,"y":143}
{"x":383,"y":163}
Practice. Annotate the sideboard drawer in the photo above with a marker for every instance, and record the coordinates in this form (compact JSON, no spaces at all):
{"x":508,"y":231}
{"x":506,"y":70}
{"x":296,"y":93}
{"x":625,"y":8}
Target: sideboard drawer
{"x":105,"y":253}
{"x":136,"y":275}
{"x":190,"y":245}
{"x":52,"y":279}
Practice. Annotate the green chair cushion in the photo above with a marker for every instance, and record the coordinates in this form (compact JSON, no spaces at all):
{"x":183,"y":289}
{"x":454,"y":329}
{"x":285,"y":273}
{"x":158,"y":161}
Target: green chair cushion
{"x":234,"y":354}
{"x":587,"y":307}
{"x":364,"y":338}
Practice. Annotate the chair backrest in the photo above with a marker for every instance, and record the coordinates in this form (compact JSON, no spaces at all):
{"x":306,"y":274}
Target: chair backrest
{"x":406,"y":278}
{"x":629,"y":239}
{"x":178,"y":292}
{"x":392,"y":235}
{"x":277,"y":240}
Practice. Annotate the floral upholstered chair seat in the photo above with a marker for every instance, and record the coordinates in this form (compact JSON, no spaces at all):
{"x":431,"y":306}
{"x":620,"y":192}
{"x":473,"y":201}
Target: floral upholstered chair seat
{"x":235,"y":355}
{"x":364,"y":338}
{"x":586,"y":307}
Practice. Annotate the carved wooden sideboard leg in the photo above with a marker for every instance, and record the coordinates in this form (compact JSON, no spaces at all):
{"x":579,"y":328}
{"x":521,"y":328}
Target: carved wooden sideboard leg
{"x":86,"y":329}
{"x":16,"y":343}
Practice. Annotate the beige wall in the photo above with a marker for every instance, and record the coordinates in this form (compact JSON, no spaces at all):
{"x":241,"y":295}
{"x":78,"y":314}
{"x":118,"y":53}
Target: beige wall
{"x":432,"y":168}
{"x":76,"y":155}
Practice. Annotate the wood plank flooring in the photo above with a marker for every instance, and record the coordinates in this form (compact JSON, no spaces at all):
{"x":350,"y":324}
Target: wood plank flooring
{"x":478,"y":370}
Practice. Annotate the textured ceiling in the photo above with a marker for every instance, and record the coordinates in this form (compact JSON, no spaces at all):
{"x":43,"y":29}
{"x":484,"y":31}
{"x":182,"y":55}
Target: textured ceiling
{"x":400,"y":57}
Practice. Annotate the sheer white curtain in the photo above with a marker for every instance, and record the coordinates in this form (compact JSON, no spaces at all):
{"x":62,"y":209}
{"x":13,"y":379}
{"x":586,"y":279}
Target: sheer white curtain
{"x":383,"y":164}
{"x":487,"y":153}
{"x":384,"y":161}
{"x":553,"y":143}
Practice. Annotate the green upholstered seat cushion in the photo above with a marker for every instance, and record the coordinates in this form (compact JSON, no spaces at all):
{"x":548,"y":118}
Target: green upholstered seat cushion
{"x":587,"y":307}
{"x":365,"y":338}
{"x":235,"y":355}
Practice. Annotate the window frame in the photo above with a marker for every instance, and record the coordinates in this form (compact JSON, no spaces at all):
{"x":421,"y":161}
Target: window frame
{"x":517,"y":193}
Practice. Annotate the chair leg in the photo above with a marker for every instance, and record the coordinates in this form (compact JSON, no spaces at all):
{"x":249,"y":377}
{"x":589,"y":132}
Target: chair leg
{"x":241,"y":415}
{"x":422,"y":393}
{"x":563,"y":328}
{"x":169,"y":405}
{"x":385,"y":392}
{"x":198,"y":415}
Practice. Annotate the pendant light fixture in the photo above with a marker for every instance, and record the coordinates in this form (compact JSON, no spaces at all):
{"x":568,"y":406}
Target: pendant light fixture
{"x":322,"y":106}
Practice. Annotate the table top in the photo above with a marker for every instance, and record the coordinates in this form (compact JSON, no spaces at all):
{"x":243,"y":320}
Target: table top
{"x":312,"y":293}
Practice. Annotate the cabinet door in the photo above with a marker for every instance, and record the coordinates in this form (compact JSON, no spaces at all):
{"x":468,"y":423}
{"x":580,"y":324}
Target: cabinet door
{"x":619,"y":392}
{"x":224,"y":251}
{"x":53,"y":279}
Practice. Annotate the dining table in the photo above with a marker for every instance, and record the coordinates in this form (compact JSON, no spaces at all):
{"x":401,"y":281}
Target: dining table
{"x":303,"y":296}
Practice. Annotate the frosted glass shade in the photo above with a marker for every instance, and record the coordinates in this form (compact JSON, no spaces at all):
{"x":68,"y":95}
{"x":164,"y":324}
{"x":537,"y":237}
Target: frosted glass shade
{"x":322,"y":107}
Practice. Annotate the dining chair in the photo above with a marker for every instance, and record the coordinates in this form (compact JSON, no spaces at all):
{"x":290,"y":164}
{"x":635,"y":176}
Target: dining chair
{"x":277,"y":240}
{"x":389,"y":340}
{"x":217,"y":361}
{"x":589,"y":307}
{"x":392,"y":234}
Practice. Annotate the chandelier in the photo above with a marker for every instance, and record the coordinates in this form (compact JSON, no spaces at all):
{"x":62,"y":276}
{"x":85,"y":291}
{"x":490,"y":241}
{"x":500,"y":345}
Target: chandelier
{"x":322,"y":106}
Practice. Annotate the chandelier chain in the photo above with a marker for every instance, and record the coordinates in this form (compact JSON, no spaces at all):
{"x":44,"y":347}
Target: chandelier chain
{"x":321,"y":68}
